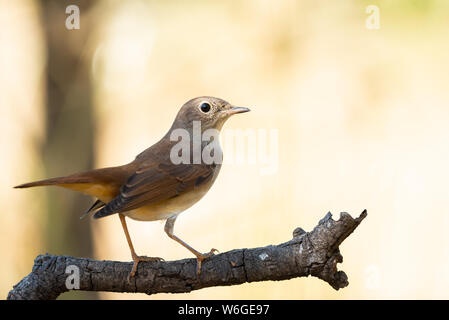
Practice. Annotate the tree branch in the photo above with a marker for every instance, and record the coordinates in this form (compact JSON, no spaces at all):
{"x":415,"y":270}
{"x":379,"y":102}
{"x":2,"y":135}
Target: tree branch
{"x":313,"y":253}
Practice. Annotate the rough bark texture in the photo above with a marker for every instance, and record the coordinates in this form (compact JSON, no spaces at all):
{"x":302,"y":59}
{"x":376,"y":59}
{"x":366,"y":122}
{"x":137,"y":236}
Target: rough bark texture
{"x":313,"y":253}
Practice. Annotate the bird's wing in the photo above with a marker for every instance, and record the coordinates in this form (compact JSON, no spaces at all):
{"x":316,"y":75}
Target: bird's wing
{"x":95,"y":207}
{"x":152,"y":183}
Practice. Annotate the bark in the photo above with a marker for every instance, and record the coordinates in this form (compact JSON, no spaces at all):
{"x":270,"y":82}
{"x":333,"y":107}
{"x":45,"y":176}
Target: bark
{"x":315,"y":253}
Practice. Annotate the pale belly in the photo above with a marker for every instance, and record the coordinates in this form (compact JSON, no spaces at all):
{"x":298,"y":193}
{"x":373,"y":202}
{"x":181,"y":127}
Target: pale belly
{"x":171,"y":207}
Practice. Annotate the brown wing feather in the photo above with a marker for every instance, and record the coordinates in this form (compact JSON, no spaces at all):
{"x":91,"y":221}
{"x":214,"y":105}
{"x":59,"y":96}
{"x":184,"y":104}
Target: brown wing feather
{"x":152,"y":183}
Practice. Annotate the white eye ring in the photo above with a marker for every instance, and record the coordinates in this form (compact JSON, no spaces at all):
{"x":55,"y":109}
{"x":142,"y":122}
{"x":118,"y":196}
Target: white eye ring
{"x":205,"y":107}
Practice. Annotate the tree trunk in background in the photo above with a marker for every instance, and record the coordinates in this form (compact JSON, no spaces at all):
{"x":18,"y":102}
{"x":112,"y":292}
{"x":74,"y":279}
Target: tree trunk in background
{"x":68,"y":145}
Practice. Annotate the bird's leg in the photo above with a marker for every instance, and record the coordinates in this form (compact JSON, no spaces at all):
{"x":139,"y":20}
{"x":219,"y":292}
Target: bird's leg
{"x":135,"y":257}
{"x":169,"y":226}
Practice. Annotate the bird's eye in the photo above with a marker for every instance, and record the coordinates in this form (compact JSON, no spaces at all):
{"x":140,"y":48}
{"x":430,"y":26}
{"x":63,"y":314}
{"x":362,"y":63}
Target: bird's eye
{"x":205,"y":107}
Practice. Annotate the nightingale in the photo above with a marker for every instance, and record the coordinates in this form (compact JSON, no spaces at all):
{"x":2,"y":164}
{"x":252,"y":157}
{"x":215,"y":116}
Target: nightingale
{"x":156,"y":185}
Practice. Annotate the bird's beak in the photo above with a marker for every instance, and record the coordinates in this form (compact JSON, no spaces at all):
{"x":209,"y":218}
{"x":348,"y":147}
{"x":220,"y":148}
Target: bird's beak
{"x":235,"y":110}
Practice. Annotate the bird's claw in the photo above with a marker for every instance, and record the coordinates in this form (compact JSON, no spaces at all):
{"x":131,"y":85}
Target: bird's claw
{"x":202,"y":257}
{"x":137,"y":259}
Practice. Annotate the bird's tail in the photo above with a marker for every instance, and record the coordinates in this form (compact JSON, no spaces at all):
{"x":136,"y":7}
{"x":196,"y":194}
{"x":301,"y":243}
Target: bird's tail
{"x":103,"y":184}
{"x":59,"y":181}
{"x":106,"y":176}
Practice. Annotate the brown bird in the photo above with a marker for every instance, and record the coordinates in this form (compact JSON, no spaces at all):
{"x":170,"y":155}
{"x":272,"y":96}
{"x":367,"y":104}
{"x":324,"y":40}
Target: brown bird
{"x":165,"y":179}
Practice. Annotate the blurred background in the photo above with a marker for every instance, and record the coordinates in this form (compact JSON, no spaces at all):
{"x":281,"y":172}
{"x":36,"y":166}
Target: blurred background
{"x":362,"y":118}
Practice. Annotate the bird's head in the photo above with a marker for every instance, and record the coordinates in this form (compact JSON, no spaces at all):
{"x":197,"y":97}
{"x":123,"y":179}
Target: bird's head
{"x":211,"y":112}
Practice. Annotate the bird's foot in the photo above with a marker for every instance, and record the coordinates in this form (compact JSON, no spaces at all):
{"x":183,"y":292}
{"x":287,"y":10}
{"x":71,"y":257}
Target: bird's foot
{"x":138,"y":259}
{"x":201,"y":257}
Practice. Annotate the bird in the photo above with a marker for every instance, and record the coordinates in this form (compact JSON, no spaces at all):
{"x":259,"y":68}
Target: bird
{"x":162,"y":181}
